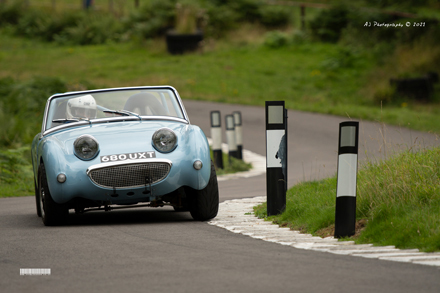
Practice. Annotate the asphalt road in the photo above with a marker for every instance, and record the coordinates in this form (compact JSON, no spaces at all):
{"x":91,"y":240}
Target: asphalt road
{"x":159,"y":250}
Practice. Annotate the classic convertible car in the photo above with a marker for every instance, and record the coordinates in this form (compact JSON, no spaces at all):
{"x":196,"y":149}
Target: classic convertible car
{"x":122,"y":147}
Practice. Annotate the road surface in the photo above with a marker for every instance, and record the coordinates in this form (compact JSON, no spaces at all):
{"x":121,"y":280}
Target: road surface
{"x":159,"y":250}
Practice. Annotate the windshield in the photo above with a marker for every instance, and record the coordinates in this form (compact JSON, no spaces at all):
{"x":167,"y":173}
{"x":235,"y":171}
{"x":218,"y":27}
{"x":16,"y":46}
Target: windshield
{"x":89,"y":106}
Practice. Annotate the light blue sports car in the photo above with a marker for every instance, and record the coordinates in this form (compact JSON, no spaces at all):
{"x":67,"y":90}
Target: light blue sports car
{"x":122,"y":147}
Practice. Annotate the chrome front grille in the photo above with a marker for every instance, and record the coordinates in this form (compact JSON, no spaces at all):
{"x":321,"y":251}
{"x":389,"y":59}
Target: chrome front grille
{"x":129,"y":175}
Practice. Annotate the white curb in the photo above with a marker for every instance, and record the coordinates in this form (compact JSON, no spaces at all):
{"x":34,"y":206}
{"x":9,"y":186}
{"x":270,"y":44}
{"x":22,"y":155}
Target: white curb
{"x":238,"y":217}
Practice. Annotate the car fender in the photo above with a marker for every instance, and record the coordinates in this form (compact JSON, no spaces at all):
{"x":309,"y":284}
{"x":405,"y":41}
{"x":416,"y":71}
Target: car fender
{"x":192,"y":146}
{"x":56,"y":160}
{"x":201,"y":149}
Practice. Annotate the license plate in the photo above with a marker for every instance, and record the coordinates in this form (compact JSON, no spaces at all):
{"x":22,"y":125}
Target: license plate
{"x":129,"y":156}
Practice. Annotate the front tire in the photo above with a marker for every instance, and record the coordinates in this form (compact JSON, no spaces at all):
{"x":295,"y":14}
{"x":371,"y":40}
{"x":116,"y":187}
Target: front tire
{"x":52,"y":213}
{"x":204,"y":203}
{"x":37,"y":200}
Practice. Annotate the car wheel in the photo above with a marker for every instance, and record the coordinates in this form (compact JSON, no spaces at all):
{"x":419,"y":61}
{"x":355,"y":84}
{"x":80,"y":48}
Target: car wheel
{"x":52,"y":214}
{"x":203,"y":203}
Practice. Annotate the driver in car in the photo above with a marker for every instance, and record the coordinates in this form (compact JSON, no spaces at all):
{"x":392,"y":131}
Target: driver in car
{"x":81,"y":108}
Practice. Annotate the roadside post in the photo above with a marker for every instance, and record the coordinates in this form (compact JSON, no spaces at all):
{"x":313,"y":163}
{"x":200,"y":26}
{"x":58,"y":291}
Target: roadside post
{"x":276,"y":157}
{"x":238,"y":134}
{"x":345,"y":215}
{"x":230,"y":136}
{"x":216,"y":135}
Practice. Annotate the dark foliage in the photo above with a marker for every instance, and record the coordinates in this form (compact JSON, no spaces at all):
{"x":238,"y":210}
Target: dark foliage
{"x":328,"y":25}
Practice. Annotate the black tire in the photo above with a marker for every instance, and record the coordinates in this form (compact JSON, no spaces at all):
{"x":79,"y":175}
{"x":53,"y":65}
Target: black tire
{"x":37,"y":200}
{"x":52,"y":213}
{"x":204,"y":203}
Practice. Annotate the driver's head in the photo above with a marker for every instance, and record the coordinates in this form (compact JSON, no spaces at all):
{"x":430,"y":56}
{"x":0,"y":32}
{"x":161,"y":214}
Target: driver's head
{"x":81,"y":107}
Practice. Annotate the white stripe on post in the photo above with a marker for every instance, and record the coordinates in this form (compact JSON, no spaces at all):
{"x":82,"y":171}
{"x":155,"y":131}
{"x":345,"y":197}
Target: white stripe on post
{"x":230,"y":136}
{"x":216,"y":135}
{"x":347,"y":170}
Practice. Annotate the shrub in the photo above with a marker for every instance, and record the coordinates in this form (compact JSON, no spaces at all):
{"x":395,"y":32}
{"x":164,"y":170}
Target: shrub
{"x":220,"y":20}
{"x":10,"y":14}
{"x":299,"y":37}
{"x":273,"y":16}
{"x":59,"y":23}
{"x":328,"y":25}
{"x":95,"y":29}
{"x":276,"y":39}
{"x":31,"y":24}
{"x":343,"y":58}
{"x":247,"y":10}
{"x":384,"y":96}
{"x":13,"y":165}
{"x":152,"y":19}
{"x":22,"y":108}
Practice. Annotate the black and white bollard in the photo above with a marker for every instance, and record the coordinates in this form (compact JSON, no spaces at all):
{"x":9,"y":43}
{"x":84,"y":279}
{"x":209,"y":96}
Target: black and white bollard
{"x":276,"y":157}
{"x":345,"y":216}
{"x":238,"y":134}
{"x":216,"y":135}
{"x":230,"y":136}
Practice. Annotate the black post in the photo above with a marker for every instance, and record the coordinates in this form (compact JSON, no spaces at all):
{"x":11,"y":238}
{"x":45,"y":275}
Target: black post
{"x":230,"y":136}
{"x":345,"y":215}
{"x":216,"y":135}
{"x":238,"y":133}
{"x":276,"y":157}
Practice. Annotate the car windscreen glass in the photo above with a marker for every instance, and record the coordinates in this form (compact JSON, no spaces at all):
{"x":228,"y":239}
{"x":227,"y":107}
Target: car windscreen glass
{"x":88,"y":106}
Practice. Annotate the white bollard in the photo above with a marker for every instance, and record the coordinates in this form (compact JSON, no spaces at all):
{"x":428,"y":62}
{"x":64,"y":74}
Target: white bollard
{"x":216,"y":135}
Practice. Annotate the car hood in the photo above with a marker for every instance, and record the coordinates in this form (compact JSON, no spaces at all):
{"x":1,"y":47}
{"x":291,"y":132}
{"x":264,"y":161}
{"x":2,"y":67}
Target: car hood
{"x":117,"y":137}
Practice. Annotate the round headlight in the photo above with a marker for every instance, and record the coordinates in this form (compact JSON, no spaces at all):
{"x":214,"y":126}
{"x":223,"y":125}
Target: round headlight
{"x":86,"y":147}
{"x":164,"y":140}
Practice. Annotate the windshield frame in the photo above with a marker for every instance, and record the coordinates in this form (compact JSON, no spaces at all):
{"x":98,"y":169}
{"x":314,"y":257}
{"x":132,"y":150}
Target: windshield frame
{"x":45,"y":130}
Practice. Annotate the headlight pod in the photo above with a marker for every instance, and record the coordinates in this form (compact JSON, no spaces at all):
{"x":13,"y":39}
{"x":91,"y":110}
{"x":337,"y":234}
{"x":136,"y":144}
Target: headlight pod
{"x":86,"y":147}
{"x":164,"y":140}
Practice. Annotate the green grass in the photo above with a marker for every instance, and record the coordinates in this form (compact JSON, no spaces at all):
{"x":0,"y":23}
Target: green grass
{"x":231,"y":165}
{"x":15,"y":173}
{"x":397,"y":203}
{"x":317,"y":77}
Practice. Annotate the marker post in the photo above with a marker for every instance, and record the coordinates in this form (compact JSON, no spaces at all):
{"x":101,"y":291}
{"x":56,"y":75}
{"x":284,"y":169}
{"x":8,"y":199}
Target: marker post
{"x":276,"y":157}
{"x":345,"y":215}
{"x":216,"y":135}
{"x":230,"y":136}
{"x":238,"y":134}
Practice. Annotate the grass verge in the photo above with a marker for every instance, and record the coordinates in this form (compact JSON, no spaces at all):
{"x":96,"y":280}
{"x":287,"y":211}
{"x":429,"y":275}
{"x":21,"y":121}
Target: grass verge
{"x":231,"y":165}
{"x":309,"y":76}
{"x":397,"y":203}
{"x":15,"y":173}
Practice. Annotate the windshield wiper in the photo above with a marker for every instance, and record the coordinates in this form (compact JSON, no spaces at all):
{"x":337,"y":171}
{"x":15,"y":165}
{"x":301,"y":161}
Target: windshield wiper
{"x":116,"y":112}
{"x":122,"y":113}
{"x":71,"y":120}
{"x":65,"y":120}
{"x":132,"y":114}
